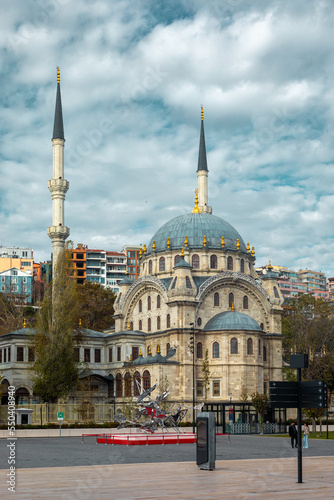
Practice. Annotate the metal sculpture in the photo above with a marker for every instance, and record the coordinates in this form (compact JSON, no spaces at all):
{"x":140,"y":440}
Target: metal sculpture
{"x":150,"y":416}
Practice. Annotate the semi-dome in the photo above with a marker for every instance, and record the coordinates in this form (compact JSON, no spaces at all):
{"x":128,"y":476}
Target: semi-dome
{"x":232,"y":320}
{"x":195,"y":226}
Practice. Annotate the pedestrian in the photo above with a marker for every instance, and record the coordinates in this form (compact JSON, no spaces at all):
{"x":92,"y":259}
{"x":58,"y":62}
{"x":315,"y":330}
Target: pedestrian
{"x":306,"y":432}
{"x":293,"y":433}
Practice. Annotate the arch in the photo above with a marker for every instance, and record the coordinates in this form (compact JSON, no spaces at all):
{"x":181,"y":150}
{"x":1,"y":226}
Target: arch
{"x":245,"y":302}
{"x":242,"y":266}
{"x":177,"y":259}
{"x":215,"y":350}
{"x":140,"y":325}
{"x":22,"y":394}
{"x":140,"y":305}
{"x":149,"y":324}
{"x":195,"y":261}
{"x":259,"y":348}
{"x":162,"y":264}
{"x":234,"y":345}
{"x":213,"y":261}
{"x":168,"y":320}
{"x":149,"y":303}
{"x":150,"y":267}
{"x":131,"y":326}
{"x":146,"y":380}
{"x":158,"y":301}
{"x":230,"y":299}
{"x":127,"y":383}
{"x":229,"y":263}
{"x":119,"y":385}
{"x":216,"y":299}
{"x":199,"y":350}
{"x":136,"y":382}
{"x":167,"y":347}
{"x":250,"y":346}
{"x":158,"y":323}
{"x":262,"y":326}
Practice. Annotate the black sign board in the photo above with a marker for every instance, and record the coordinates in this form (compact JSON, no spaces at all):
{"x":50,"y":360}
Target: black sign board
{"x":311,"y":394}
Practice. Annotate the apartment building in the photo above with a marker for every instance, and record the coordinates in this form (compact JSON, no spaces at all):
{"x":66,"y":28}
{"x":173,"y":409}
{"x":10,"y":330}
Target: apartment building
{"x":132,"y":260}
{"x":17,"y":285}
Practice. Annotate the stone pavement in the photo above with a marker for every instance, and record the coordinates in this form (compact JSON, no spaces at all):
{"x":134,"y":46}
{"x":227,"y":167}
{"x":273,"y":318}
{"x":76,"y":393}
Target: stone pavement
{"x":232,"y":479}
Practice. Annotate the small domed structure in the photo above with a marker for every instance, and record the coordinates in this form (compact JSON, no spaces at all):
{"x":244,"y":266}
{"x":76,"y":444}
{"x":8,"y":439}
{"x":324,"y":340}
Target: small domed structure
{"x":231,"y":320}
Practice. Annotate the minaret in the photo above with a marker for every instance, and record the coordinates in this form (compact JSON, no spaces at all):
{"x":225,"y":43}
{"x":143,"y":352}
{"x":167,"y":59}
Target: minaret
{"x":202,"y":172}
{"x":58,"y":186}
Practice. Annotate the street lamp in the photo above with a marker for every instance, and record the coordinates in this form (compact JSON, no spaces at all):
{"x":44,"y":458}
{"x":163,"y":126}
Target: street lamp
{"x":192,"y":349}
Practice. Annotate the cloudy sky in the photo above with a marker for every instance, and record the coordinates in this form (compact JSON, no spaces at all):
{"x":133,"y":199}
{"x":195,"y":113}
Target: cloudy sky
{"x":133,"y":77}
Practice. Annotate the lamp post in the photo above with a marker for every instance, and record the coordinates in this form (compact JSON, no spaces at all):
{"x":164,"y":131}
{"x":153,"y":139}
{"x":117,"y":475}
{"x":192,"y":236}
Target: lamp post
{"x":230,"y":418}
{"x":192,"y":349}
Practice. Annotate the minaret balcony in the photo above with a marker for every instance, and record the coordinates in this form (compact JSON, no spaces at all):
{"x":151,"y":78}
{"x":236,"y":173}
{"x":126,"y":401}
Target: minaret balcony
{"x":58,"y":185}
{"x":58,"y":232}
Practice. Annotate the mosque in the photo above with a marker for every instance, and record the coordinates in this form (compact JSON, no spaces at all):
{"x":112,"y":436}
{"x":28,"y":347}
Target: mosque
{"x":198,"y":319}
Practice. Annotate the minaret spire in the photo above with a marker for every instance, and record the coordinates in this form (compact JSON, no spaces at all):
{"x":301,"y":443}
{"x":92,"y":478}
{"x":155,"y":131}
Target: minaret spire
{"x":202,"y":171}
{"x":58,"y":186}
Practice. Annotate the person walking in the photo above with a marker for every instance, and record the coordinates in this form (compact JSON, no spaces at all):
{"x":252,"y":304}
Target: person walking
{"x":293,"y":433}
{"x":306,"y":432}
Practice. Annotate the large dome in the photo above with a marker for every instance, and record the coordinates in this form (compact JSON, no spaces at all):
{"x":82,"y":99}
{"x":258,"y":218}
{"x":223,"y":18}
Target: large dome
{"x":195,"y":227}
{"x":232,"y":320}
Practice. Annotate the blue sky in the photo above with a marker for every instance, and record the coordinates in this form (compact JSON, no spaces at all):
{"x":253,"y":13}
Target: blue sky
{"x":133,"y":78}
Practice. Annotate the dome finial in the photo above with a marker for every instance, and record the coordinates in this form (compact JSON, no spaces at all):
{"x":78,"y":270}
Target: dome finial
{"x":196,"y":210}
{"x":269,"y":267}
{"x":202,"y":113}
{"x":182,"y":252}
{"x":168,"y":242}
{"x":223,"y":242}
{"x":232,"y":306}
{"x":58,"y":74}
{"x":24,"y":323}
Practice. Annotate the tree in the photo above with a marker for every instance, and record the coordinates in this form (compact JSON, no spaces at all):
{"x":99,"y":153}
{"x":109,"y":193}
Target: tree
{"x":96,"y":306}
{"x":260,"y":403}
{"x":308,"y":327}
{"x":55,"y":369}
{"x":206,"y":373}
{"x":12,"y":315}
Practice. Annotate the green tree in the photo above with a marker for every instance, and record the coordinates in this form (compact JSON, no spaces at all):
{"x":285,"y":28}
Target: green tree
{"x":260,"y":403}
{"x":55,"y":368}
{"x":308,"y":327}
{"x":12,"y":315}
{"x":96,"y":306}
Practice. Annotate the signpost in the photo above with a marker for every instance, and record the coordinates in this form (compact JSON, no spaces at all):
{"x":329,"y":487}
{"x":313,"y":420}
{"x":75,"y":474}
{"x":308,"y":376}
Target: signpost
{"x":60,"y":418}
{"x":298,"y":395}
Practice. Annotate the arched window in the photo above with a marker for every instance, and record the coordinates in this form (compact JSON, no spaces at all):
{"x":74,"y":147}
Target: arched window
{"x":177,"y":259}
{"x":230,"y":299}
{"x":195,"y":261}
{"x":119,"y":386}
{"x":242,"y":266}
{"x":136,"y":384}
{"x":162,"y":264}
{"x":229,"y":263}
{"x":167,"y":348}
{"x":149,"y":303}
{"x":215,"y":350}
{"x":150,"y":266}
{"x":262,"y":326}
{"x":245,"y":302}
{"x":249,"y":346}
{"x":140,"y":305}
{"x":140,"y":325}
{"x":213,"y":261}
{"x":188,"y":282}
{"x":149,"y":325}
{"x":276,"y":293}
{"x":234,"y":346}
{"x":216,"y":299}
{"x":127,"y":381}
{"x":199,"y":351}
{"x":146,"y":380}
{"x":131,"y":326}
{"x":199,"y":321}
{"x":264,"y":353}
{"x":158,"y":302}
{"x":259,"y":349}
{"x":158,"y":323}
{"x":168,"y":321}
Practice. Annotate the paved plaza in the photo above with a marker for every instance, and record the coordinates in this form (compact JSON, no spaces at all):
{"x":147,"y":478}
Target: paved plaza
{"x":250,"y":467}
